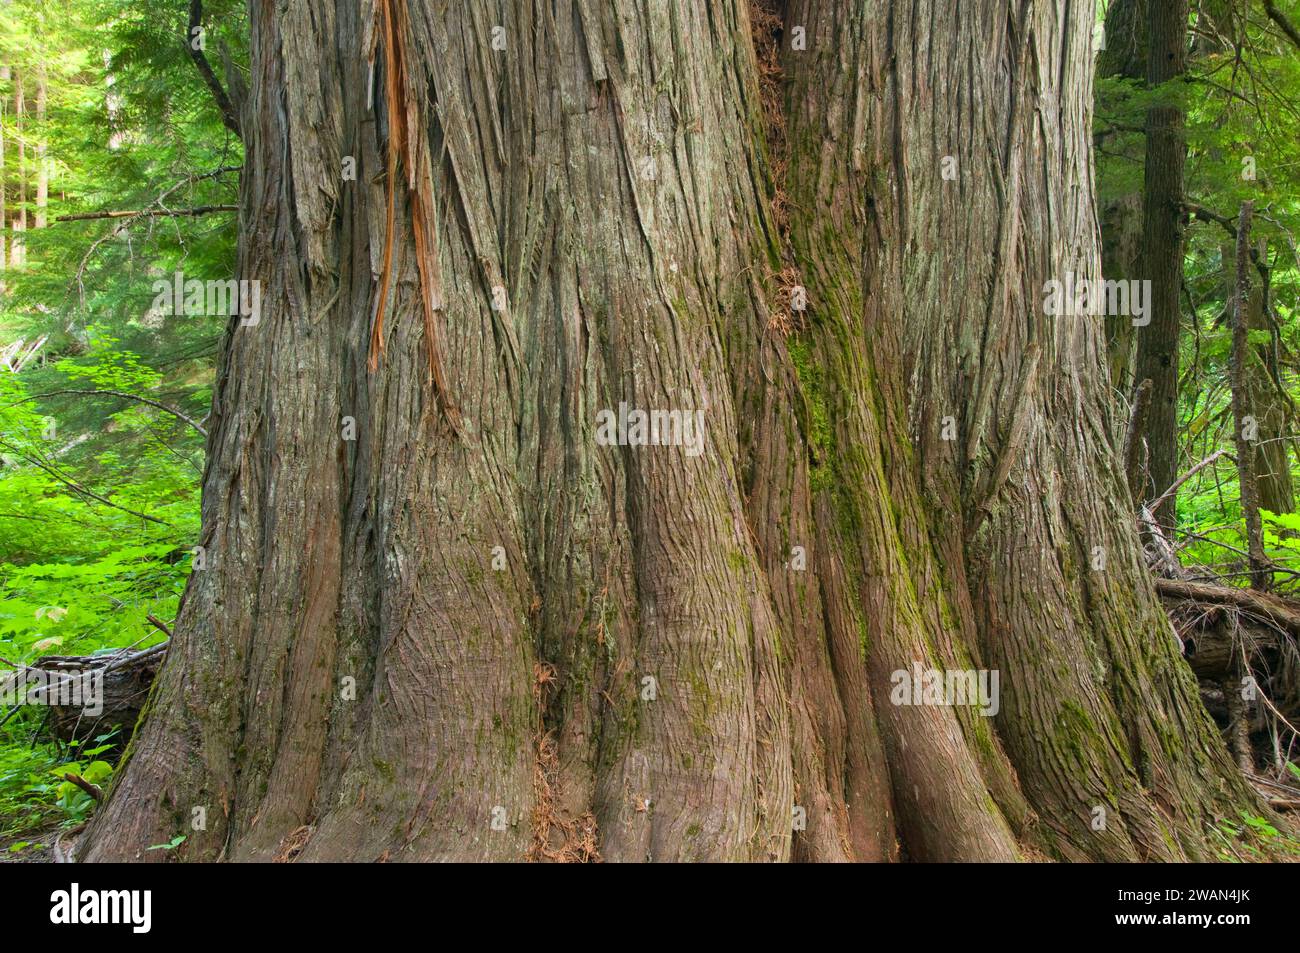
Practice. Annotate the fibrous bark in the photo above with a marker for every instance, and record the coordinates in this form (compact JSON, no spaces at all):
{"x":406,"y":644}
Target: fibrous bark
{"x":557,"y":644}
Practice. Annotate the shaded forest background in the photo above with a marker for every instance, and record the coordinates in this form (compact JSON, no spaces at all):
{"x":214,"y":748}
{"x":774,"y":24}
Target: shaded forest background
{"x":118,"y":168}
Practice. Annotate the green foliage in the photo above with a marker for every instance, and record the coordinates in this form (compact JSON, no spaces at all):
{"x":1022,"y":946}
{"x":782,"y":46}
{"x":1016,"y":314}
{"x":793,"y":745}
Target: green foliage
{"x":1241,"y":100}
{"x":99,"y":493}
{"x":1254,"y":839}
{"x":82,"y":566}
{"x":133,"y":130}
{"x":34,"y":793}
{"x":78,"y":575}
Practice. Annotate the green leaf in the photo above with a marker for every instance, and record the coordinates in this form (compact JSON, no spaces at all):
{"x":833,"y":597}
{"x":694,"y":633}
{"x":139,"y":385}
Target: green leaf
{"x":170,"y":845}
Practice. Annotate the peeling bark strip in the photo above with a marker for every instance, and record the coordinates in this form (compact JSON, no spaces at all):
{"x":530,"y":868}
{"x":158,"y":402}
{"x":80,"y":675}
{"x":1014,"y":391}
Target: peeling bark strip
{"x":406,"y":136}
{"x":531,"y":644}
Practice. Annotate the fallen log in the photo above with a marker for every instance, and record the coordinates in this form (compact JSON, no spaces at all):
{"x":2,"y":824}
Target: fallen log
{"x":1224,"y":630}
{"x":89,"y":695}
{"x":1266,"y":607}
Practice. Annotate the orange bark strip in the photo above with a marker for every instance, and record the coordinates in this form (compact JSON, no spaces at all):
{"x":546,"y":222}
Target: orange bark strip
{"x":401,"y":108}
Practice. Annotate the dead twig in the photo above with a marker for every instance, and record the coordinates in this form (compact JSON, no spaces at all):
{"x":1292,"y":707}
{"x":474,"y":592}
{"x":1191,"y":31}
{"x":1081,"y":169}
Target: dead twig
{"x":92,"y":789}
{"x":1155,"y":505}
{"x":147,"y":213}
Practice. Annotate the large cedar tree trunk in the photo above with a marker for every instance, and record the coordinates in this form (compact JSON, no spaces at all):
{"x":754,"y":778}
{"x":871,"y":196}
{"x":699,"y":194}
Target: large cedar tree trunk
{"x":684,"y":657}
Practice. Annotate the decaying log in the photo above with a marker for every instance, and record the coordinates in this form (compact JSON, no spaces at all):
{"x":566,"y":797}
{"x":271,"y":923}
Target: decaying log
{"x":121,"y":681}
{"x":1268,"y":608}
{"x":1235,"y":641}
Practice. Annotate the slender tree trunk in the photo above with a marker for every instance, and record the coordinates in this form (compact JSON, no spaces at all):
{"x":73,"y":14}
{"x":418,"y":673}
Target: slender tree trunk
{"x":1245,"y":425}
{"x":42,"y":148}
{"x":4,"y":177}
{"x":1162,"y":240}
{"x":1266,"y":401}
{"x":17,"y":251}
{"x":1269,"y":403}
{"x":477,"y":632}
{"x":1124,"y":57}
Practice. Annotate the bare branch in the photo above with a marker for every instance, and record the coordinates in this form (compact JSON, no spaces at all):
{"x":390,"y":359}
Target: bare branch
{"x":1185,"y":477}
{"x":123,"y":394}
{"x":148,"y":213}
{"x":78,"y":488}
{"x":1278,"y":17}
{"x":91,"y":789}
{"x":1229,"y":226}
{"x":119,"y":229}
{"x":228,"y":115}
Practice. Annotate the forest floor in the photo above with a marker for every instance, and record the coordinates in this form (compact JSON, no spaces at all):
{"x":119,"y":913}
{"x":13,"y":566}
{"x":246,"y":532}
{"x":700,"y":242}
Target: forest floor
{"x":43,"y":854}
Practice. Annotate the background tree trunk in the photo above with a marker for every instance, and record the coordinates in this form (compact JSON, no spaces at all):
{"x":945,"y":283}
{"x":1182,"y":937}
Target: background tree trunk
{"x":17,"y":248}
{"x":561,"y":648}
{"x":42,"y":150}
{"x":4,"y":176}
{"x":1162,"y":241}
{"x":1269,"y":403}
{"x":1125,"y":57}
{"x":1247,"y":479}
{"x":1266,"y":401}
